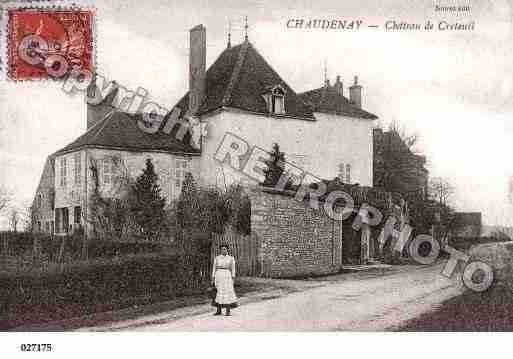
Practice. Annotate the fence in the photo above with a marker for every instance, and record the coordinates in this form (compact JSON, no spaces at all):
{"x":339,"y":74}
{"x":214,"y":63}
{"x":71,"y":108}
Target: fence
{"x":243,"y":248}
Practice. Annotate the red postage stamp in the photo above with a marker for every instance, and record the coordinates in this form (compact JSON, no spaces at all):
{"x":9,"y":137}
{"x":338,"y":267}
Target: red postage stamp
{"x":48,"y":43}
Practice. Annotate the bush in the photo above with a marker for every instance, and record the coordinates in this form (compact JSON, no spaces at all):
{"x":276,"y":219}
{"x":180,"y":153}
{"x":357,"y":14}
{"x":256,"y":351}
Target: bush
{"x":95,"y":287}
{"x":209,"y":210}
{"x":22,"y":245}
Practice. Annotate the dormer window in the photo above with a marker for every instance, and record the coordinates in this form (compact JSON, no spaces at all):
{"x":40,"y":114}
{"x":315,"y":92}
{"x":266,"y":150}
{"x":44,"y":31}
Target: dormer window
{"x":275,"y":98}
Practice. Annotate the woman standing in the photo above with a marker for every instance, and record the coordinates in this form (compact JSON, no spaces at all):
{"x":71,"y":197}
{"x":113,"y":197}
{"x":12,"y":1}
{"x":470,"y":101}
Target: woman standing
{"x":223,"y":273}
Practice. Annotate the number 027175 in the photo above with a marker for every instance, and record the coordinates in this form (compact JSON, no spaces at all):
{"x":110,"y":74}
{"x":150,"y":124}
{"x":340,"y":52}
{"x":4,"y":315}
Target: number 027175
{"x":36,"y":347}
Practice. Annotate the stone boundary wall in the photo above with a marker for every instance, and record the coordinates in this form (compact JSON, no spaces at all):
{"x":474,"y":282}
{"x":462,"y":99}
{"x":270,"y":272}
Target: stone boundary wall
{"x":294,"y":239}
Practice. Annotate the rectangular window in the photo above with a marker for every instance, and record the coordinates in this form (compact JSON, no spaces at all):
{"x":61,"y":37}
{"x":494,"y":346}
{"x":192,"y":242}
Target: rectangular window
{"x":348,"y":173}
{"x":106,"y":171}
{"x":279,"y":105}
{"x":77,"y":214}
{"x":181,"y":169}
{"x":78,"y":169}
{"x":63,"y":171}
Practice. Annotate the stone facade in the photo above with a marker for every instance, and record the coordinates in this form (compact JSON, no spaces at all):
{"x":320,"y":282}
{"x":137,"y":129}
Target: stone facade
{"x":44,"y":200}
{"x":72,"y":194}
{"x":294,"y":239}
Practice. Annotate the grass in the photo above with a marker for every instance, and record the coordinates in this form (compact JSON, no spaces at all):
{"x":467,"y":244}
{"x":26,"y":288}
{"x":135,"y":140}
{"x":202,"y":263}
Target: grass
{"x":491,"y":310}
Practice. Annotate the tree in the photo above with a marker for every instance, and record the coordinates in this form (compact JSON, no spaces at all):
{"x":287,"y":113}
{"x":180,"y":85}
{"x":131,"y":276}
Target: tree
{"x":441,"y":190}
{"x":14,"y":218}
{"x":501,"y":235}
{"x":275,"y":168}
{"x":410,"y":139}
{"x":5,"y":197}
{"x":201,"y":209}
{"x":147,"y":204}
{"x":397,"y":167}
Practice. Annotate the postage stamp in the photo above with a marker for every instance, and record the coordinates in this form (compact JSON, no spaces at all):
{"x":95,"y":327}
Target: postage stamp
{"x":48,"y":43}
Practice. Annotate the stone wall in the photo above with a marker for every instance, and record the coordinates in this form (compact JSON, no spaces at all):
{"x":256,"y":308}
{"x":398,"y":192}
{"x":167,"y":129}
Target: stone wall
{"x":294,"y":239}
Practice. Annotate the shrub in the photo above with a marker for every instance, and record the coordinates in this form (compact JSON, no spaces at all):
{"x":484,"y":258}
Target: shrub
{"x":94,"y":287}
{"x":209,"y":210}
{"x":49,"y":247}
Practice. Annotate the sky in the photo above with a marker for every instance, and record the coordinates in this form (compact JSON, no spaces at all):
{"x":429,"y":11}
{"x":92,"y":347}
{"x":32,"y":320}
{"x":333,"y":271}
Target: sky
{"x":453,"y":88}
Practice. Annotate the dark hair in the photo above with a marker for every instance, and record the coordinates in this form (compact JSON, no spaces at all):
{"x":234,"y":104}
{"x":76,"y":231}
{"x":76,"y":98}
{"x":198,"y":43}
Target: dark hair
{"x":224,"y":245}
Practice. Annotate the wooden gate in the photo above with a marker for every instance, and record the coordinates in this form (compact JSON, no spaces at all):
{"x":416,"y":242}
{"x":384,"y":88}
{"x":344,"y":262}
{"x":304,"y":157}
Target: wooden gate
{"x":243,"y":248}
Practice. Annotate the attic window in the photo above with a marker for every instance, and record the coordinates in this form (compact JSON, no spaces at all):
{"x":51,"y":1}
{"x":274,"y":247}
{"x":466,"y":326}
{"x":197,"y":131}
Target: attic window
{"x":275,"y":99}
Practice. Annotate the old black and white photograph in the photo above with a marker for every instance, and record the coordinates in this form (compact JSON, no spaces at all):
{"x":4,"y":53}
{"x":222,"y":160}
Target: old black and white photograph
{"x":259,"y":166}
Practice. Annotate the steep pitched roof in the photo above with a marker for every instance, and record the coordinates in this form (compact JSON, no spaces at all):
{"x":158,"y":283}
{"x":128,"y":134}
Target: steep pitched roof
{"x":239,"y":78}
{"x":328,"y":100}
{"x":120,"y":130}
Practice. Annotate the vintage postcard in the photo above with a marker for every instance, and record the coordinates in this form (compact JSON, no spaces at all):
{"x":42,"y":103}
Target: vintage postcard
{"x":258,"y":166}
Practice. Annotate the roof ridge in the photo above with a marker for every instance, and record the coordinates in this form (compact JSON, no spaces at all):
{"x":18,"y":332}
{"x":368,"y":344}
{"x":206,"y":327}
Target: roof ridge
{"x":235,"y":74}
{"x":104,"y":120}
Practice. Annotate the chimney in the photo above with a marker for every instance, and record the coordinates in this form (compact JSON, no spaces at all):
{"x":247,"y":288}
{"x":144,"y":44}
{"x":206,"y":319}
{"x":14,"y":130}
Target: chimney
{"x":355,"y":93}
{"x":339,"y":87}
{"x":98,"y":107}
{"x":197,"y":67}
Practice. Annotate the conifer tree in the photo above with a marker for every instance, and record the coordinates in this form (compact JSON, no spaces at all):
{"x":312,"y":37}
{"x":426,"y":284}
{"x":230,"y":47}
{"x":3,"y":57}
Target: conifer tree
{"x":147,"y":203}
{"x":275,"y":168}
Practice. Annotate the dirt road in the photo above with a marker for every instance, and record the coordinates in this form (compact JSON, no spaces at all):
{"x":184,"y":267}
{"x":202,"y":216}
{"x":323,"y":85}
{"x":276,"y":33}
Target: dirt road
{"x":375,"y":303}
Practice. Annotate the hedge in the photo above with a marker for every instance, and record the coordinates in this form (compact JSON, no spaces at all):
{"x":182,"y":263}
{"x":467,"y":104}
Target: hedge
{"x":22,"y":244}
{"x":97,"y":286}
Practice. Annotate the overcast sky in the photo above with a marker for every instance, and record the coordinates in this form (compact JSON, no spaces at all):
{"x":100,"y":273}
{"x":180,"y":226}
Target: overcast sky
{"x":452,"y":87}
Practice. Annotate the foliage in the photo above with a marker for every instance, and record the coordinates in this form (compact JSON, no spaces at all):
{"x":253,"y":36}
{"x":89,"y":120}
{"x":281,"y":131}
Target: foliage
{"x":500,"y":235}
{"x":410,"y":139}
{"x":5,"y":197}
{"x":239,"y":209}
{"x":110,"y":215}
{"x":203,"y":209}
{"x":275,"y":168}
{"x":147,"y":204}
{"x":441,"y":190}
{"x":98,"y":286}
{"x":14,"y":218}
{"x":209,"y":210}
{"x":21,"y":245}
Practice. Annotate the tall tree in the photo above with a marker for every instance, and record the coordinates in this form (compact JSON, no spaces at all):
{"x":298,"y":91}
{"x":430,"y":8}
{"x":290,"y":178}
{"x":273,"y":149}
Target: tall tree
{"x":441,"y":190}
{"x":147,"y":204}
{"x":396,"y":165}
{"x":275,"y":168}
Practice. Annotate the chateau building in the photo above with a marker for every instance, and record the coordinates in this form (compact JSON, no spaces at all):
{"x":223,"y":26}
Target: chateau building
{"x":321,"y":131}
